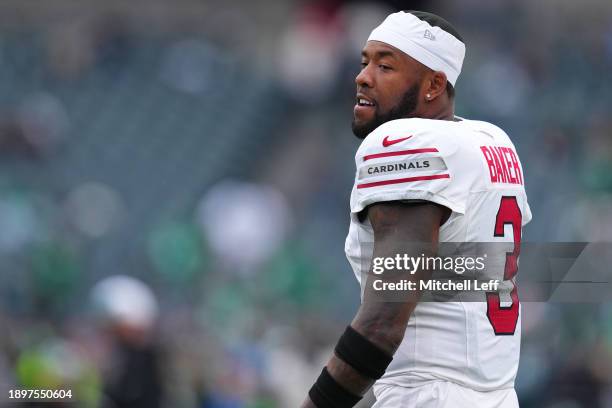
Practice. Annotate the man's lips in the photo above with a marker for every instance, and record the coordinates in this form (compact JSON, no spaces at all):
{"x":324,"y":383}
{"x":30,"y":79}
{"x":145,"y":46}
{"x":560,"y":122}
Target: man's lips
{"x":360,"y":110}
{"x":363,"y":105}
{"x":364,"y":100}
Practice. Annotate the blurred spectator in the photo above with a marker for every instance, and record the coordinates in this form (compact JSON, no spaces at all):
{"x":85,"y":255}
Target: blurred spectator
{"x":129,"y":311}
{"x":245,"y":223}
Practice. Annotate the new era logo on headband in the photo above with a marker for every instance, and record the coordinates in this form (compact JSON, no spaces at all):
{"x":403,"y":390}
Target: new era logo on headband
{"x":429,"y":34}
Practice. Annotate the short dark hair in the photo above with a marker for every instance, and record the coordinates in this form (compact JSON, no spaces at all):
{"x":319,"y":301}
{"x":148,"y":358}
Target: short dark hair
{"x":437,"y":21}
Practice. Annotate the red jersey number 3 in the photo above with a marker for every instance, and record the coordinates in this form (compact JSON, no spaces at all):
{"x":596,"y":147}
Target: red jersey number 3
{"x":504,"y":318}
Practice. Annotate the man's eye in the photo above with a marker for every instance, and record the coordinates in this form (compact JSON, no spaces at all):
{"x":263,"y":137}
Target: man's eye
{"x":384,"y":67}
{"x":364,"y":64}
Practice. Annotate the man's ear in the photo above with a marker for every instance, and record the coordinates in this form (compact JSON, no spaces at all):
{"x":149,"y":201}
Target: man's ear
{"x":435,"y":85}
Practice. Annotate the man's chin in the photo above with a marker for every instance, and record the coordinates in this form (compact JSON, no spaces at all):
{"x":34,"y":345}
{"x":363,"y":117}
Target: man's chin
{"x":362,"y":129}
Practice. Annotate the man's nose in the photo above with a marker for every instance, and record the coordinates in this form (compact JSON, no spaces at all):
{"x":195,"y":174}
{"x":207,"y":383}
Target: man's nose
{"x":364,"y":78}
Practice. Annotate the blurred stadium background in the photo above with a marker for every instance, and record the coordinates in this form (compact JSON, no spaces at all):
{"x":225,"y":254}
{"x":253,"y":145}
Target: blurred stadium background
{"x":204,"y":149}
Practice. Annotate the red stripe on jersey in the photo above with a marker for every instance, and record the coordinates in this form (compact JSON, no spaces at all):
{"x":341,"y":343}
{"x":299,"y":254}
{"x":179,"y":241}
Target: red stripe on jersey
{"x":402,"y":180}
{"x":401,"y":153}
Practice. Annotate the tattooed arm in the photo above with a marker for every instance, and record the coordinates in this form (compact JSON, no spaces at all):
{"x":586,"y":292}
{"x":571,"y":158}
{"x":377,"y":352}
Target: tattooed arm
{"x":399,"y":228}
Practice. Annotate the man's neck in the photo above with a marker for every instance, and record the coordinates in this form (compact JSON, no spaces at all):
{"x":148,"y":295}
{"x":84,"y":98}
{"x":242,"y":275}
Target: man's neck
{"x":443,"y":110}
{"x":444,"y":113}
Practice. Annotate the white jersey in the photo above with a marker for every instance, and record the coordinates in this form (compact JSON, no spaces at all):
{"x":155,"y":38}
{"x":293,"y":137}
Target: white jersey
{"x":472,"y":168}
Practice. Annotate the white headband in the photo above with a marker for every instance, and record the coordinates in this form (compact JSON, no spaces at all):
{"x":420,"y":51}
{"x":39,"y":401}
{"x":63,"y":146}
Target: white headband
{"x":430,"y":45}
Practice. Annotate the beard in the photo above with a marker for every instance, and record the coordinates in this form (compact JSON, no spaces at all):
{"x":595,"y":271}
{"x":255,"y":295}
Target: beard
{"x":404,"y":109}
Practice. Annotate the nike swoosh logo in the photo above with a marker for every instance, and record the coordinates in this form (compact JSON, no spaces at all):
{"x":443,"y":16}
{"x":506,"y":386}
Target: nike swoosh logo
{"x":386,"y":142}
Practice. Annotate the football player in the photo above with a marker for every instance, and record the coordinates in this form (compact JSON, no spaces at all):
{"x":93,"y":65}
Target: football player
{"x":425,"y":176}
